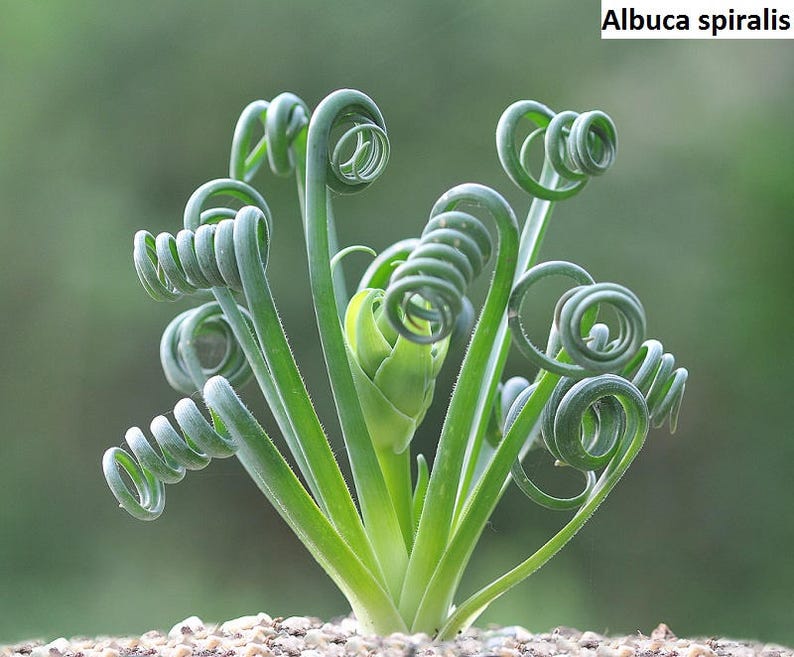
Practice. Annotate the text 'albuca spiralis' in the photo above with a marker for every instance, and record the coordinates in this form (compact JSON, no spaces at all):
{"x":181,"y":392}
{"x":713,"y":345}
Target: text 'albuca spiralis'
{"x":695,"y":20}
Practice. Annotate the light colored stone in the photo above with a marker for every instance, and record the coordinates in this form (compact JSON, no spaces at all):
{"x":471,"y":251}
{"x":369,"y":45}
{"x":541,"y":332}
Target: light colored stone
{"x":191,"y":625}
{"x":355,"y":644}
{"x":237,"y":625}
{"x":261,"y":633}
{"x":311,"y":653}
{"x":60,"y":646}
{"x":625,"y":651}
{"x":349,"y":625}
{"x":315,"y":638}
{"x":334,"y":650}
{"x":291,"y":645}
{"x":296,"y":624}
{"x":604,"y":650}
{"x":662,"y":632}
{"x":699,"y":650}
{"x":590,"y":640}
{"x":509,"y":651}
{"x":211,"y":642}
{"x":179,"y":650}
{"x":257,"y":650}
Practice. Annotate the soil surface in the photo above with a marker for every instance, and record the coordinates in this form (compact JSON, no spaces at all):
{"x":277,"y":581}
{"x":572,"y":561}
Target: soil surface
{"x":263,"y":636}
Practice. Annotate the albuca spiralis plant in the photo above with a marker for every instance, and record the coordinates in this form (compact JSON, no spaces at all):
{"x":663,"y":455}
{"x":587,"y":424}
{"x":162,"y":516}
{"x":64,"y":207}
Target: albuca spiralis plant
{"x":397,"y":545}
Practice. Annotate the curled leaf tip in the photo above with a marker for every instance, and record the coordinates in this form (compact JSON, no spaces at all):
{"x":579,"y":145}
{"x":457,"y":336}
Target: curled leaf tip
{"x":576,"y":147}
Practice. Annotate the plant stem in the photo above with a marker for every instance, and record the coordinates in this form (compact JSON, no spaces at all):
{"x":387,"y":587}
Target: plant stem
{"x":380,"y":517}
{"x":340,"y":287}
{"x":435,"y":521}
{"x":439,"y":596}
{"x":636,"y":429}
{"x":249,"y":226}
{"x":441,"y":587}
{"x":255,"y":357}
{"x":272,"y":474}
{"x":397,"y":474}
{"x":529,"y":249}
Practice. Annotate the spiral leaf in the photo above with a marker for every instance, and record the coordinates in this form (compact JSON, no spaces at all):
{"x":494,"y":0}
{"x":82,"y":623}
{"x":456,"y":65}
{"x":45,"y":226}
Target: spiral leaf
{"x":192,"y":449}
{"x":329,"y":167}
{"x":584,"y":426}
{"x":513,"y":396}
{"x":169,"y":267}
{"x":354,"y":134}
{"x":379,"y":272}
{"x":572,"y":320}
{"x":280,"y":121}
{"x":652,"y":371}
{"x":196,"y":214}
{"x":517,"y":298}
{"x":574,"y":317}
{"x":367,"y":149}
{"x":577,"y":146}
{"x":430,"y":286}
{"x":547,"y":500}
{"x":179,"y":351}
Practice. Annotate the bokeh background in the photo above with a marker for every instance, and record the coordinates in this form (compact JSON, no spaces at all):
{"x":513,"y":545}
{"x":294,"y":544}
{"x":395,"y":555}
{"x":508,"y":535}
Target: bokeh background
{"x":113,"y":112}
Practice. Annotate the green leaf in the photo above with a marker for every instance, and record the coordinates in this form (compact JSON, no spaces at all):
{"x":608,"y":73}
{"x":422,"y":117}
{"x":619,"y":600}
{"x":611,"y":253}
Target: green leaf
{"x":405,"y":376}
{"x":389,"y":428}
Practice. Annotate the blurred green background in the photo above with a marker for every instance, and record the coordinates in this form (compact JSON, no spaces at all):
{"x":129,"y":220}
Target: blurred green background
{"x":113,"y":112}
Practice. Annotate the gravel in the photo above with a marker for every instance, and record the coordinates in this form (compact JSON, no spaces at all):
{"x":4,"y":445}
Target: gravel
{"x":298,"y":636}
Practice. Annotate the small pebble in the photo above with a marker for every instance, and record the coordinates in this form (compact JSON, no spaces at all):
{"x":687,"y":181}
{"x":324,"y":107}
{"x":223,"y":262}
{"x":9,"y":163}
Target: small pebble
{"x":606,"y":651}
{"x":191,"y":625}
{"x":567,"y":632}
{"x":315,"y":638}
{"x":698,"y":650}
{"x":662,"y":632}
{"x":334,"y":650}
{"x":510,"y":652}
{"x":257,"y":650}
{"x":291,"y":645}
{"x":296,"y":624}
{"x":211,"y":642}
{"x":354,"y":644}
{"x":589,"y":640}
{"x":349,"y":625}
{"x":625,"y":651}
{"x":240,"y":624}
{"x":772,"y":650}
{"x":179,"y":650}
{"x":261,"y":634}
{"x":311,"y":653}
{"x":59,"y":645}
{"x":468,"y":646}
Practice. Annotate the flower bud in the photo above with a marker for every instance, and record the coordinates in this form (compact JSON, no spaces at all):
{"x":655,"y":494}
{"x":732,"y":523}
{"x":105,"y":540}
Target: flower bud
{"x":394,"y":377}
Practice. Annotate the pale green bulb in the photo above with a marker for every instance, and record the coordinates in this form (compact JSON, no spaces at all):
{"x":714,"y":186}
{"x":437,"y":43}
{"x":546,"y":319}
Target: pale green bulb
{"x":394,"y":377}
